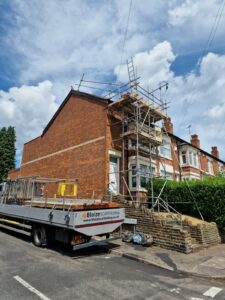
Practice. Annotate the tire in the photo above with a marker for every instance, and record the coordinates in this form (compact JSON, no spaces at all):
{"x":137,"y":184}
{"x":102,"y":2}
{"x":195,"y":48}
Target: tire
{"x":40,"y":236}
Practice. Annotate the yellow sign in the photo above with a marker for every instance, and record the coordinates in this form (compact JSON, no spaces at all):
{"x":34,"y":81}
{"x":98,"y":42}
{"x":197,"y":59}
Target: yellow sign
{"x":67,"y":189}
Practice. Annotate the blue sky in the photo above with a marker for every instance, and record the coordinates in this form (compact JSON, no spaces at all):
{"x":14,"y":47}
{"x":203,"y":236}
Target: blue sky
{"x":47,"y":45}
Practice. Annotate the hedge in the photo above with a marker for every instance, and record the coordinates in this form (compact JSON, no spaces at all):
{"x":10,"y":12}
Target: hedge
{"x":206,"y":195}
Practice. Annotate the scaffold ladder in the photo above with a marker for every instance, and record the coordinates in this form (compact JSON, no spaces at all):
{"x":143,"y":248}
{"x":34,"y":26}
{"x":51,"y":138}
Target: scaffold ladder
{"x":132,"y":74}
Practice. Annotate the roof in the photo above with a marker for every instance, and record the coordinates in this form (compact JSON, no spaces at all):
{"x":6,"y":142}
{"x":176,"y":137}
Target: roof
{"x":75,"y":93}
{"x":188,"y":143}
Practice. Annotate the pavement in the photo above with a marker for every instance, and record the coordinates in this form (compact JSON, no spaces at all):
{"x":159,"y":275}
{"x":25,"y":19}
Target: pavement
{"x":208,"y":262}
{"x":29,"y":273}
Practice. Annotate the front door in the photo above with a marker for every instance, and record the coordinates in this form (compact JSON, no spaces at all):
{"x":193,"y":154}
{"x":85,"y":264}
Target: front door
{"x":114,"y":176}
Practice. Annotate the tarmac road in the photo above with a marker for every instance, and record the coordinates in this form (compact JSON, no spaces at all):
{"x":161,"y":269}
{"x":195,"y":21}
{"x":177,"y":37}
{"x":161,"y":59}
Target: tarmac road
{"x":27,"y":272}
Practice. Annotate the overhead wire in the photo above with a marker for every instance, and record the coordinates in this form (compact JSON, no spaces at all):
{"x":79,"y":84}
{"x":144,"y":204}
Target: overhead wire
{"x":125,"y":36}
{"x":204,"y":51}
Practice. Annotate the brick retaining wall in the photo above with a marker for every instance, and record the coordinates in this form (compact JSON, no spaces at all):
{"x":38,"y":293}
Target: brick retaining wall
{"x":168,"y":232}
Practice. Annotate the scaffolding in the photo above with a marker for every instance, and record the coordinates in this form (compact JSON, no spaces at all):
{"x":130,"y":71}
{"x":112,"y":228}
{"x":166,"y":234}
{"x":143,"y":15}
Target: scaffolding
{"x":140,"y":137}
{"x":138,"y":114}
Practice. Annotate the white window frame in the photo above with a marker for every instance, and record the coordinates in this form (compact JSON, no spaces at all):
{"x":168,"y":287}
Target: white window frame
{"x":166,"y":146}
{"x":182,"y":155}
{"x":131,"y":164}
{"x":191,"y":157}
{"x":210,"y":166}
{"x":221,"y":170}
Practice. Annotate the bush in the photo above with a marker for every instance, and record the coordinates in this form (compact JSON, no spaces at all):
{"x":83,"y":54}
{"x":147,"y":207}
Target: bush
{"x":206,"y":196}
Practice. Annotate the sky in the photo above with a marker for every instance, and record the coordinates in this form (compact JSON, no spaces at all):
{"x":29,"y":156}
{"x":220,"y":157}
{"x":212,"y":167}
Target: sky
{"x":46,"y":46}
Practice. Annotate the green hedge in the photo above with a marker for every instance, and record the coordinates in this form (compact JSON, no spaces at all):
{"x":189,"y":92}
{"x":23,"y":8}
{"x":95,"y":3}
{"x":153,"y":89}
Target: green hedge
{"x":207,"y":195}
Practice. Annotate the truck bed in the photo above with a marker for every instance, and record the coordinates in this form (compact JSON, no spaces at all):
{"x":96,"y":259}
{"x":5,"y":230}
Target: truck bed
{"x":71,"y":204}
{"x":93,"y":219}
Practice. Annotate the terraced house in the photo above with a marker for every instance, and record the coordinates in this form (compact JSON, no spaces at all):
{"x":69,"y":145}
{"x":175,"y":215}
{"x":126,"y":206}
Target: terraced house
{"x":115,"y":146}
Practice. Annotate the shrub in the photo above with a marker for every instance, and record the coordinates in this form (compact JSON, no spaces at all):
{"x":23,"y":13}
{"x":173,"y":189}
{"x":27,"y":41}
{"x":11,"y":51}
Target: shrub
{"x":206,"y":195}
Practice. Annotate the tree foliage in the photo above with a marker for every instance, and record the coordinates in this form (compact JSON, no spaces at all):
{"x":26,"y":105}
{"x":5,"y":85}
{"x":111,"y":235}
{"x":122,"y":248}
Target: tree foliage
{"x":7,"y":151}
{"x":206,"y":196}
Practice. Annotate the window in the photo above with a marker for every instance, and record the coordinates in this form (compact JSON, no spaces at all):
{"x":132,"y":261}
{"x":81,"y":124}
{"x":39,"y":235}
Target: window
{"x":165,"y":151}
{"x":145,"y":174}
{"x":113,"y":159}
{"x":221,"y":171}
{"x":133,"y":176}
{"x":193,"y":159}
{"x":165,"y":148}
{"x":184,"y":157}
{"x":210,"y":167}
{"x":189,"y":157}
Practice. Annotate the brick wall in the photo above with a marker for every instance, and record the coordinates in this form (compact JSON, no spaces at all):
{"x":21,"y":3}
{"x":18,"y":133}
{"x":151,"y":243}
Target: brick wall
{"x":14,"y":173}
{"x":80,"y":120}
{"x":79,"y":133}
{"x":167,"y":231}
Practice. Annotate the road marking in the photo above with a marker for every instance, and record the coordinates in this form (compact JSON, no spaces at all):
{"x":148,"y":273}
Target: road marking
{"x":196,"y":298}
{"x":212,"y":292}
{"x":107,"y":257}
{"x":30,"y":288}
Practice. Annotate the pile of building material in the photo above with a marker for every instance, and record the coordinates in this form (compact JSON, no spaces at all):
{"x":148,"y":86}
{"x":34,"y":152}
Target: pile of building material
{"x":168,"y":231}
{"x":71,"y":204}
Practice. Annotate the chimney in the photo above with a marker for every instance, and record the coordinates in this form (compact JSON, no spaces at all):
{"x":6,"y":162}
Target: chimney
{"x":215,"y":152}
{"x":195,"y":140}
{"x":168,"y":125}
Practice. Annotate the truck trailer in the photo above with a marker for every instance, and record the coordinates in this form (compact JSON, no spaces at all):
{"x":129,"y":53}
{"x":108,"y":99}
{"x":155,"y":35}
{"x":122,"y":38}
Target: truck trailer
{"x":48,"y":210}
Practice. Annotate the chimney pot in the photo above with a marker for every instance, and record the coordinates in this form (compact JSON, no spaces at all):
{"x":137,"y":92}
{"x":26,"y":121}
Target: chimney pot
{"x":195,"y":140}
{"x":215,"y":152}
{"x":168,"y":125}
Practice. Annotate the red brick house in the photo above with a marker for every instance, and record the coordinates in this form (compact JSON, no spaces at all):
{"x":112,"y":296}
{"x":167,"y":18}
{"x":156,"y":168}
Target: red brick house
{"x":88,"y":138}
{"x":194,"y":162}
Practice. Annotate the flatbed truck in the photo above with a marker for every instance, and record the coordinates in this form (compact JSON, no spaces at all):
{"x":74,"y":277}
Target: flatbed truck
{"x":26,"y":208}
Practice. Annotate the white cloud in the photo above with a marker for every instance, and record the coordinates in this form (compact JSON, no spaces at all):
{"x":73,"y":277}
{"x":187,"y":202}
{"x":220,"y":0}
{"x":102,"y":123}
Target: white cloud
{"x":190,"y":23}
{"x":183,"y":12}
{"x":59,"y":40}
{"x":28,"y":109}
{"x":218,"y":111}
{"x":156,"y":61}
{"x":196,"y":98}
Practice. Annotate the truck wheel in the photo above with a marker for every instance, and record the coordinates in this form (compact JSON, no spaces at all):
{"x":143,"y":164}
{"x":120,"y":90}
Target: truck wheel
{"x":40,"y":236}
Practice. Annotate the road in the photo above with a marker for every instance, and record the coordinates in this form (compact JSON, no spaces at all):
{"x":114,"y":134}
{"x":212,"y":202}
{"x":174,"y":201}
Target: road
{"x":28,"y":272}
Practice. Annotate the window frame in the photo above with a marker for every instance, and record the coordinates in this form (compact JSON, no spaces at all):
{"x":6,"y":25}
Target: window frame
{"x":210,"y":167}
{"x":146,"y":174}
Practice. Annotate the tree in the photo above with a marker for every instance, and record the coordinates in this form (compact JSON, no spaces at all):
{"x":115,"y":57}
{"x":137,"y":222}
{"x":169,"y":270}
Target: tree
{"x":7,"y":151}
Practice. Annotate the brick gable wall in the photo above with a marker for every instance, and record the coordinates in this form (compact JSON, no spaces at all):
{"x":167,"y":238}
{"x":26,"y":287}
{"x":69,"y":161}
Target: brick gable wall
{"x":74,"y":146}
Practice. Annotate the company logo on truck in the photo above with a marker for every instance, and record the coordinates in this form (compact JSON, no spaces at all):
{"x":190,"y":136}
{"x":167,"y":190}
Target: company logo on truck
{"x":91,"y":216}
{"x":97,"y":218}
{"x":84,"y":215}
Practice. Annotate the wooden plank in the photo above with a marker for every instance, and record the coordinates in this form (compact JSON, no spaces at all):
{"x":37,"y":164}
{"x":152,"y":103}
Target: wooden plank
{"x":56,"y":205}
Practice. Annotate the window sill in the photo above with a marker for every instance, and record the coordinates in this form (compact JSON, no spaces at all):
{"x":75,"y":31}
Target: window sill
{"x":188,"y":165}
{"x":140,"y":190}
